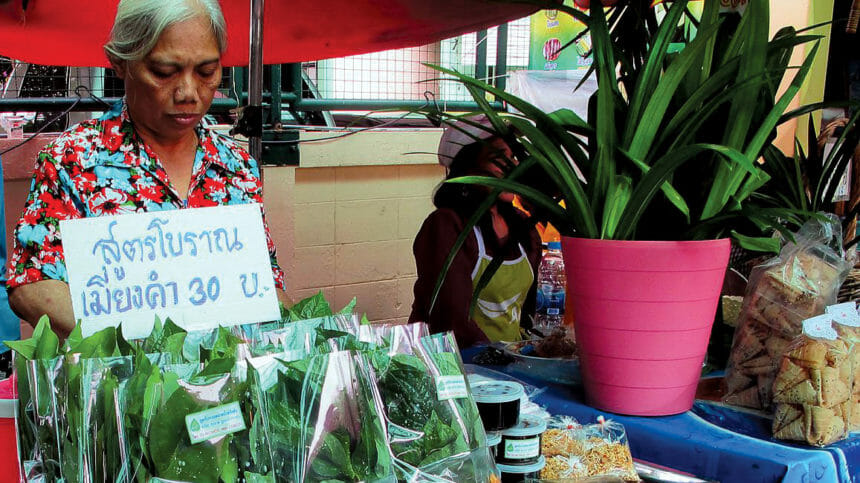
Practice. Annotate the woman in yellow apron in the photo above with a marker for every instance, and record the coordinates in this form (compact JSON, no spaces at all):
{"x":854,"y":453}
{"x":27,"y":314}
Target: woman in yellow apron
{"x":507,"y":302}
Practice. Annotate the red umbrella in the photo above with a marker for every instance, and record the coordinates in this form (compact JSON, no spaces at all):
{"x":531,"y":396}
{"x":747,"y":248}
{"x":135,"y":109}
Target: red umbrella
{"x":64,"y":32}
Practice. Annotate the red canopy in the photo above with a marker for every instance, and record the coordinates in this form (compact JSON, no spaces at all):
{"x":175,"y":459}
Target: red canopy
{"x":68,"y":32}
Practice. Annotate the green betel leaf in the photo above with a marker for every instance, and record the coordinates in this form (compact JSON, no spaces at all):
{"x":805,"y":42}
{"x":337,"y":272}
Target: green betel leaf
{"x":333,"y":459}
{"x":174,"y":456}
{"x":447,"y":363}
{"x":310,"y":308}
{"x":44,"y":343}
{"x":349,"y":308}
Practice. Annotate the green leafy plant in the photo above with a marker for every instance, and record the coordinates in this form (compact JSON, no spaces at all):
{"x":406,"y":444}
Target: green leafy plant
{"x":669,"y":149}
{"x":807,"y":180}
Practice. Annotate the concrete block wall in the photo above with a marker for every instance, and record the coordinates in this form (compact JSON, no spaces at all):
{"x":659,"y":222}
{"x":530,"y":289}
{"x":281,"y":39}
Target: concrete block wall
{"x":354,"y":227}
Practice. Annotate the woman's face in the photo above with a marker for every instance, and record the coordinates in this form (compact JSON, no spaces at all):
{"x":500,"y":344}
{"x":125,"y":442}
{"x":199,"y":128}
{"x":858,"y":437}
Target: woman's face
{"x":495,"y":159}
{"x":170,"y":89}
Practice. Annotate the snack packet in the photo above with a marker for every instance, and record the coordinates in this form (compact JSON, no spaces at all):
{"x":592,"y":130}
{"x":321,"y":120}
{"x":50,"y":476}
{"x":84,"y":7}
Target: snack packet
{"x":575,"y":452}
{"x":781,"y":293}
{"x":812,"y":390}
{"x":847,"y":324}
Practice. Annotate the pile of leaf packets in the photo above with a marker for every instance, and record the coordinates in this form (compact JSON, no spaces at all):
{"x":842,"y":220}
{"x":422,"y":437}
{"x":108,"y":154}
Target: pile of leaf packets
{"x":323,"y":399}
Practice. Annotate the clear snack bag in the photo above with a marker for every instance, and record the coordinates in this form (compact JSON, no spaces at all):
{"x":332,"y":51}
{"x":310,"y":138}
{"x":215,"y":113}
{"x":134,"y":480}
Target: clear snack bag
{"x":846,"y":321}
{"x":581,"y":453}
{"x":781,"y":293}
{"x":812,"y":390}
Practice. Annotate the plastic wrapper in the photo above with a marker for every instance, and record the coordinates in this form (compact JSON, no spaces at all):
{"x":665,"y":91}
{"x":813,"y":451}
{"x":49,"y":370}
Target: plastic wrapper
{"x":40,"y":421}
{"x":322,"y":334}
{"x":812,"y":390}
{"x":197,"y":428}
{"x":433,"y":425}
{"x":847,"y":325}
{"x":781,"y":293}
{"x":382,"y":334}
{"x":96,"y":447}
{"x":323,"y":419}
{"x":583,"y":453}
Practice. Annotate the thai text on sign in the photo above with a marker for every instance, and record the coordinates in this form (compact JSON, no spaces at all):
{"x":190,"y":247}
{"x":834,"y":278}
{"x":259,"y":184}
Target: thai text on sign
{"x":202,"y":267}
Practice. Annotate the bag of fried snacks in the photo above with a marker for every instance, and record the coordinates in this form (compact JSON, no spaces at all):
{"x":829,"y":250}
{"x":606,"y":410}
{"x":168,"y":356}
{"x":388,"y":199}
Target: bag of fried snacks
{"x":846,"y":321}
{"x":781,"y":293}
{"x":812,"y":390}
{"x":579,"y":453}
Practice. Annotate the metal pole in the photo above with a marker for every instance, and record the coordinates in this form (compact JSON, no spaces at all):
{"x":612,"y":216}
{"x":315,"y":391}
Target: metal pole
{"x":255,"y":79}
{"x":501,"y":56}
{"x":275,"y":89}
{"x":481,"y":55}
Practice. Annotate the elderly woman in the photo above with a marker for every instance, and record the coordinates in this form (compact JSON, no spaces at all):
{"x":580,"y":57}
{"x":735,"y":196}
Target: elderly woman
{"x":149,"y":153}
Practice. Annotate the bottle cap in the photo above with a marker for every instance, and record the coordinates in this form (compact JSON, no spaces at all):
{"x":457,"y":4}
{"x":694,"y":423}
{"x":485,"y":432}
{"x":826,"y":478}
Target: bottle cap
{"x":497,"y":392}
{"x":528,"y":426}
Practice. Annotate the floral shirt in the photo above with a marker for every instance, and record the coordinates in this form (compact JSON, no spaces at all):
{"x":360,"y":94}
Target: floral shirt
{"x":102,"y":167}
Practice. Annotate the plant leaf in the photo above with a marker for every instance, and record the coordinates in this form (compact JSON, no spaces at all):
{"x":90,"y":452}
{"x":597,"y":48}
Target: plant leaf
{"x":757,"y":244}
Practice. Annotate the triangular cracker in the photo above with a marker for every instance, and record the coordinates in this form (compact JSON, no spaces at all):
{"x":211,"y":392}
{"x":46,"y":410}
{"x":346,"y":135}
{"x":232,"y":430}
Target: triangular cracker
{"x":802,"y":393}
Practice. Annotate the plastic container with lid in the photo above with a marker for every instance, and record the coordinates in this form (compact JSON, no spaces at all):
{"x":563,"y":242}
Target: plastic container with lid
{"x":521,"y":444}
{"x":521,"y":473}
{"x":498,"y":403}
{"x":493,"y":440}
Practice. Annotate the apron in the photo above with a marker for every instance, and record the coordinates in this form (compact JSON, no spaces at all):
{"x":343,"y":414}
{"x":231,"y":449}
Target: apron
{"x":500,"y":305}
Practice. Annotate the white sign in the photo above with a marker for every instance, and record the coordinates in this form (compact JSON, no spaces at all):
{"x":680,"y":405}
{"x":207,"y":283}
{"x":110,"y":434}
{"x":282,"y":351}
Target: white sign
{"x":202,"y":267}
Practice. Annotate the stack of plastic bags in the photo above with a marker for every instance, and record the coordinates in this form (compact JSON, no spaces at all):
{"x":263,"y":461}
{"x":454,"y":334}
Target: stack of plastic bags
{"x":781,"y":293}
{"x":325,"y":399}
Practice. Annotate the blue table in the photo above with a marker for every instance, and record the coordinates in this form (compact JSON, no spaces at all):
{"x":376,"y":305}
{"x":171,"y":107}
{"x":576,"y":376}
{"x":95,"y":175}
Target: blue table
{"x":711,"y":441}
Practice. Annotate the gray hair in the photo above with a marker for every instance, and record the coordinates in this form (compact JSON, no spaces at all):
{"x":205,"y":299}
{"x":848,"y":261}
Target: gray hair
{"x":139,"y":24}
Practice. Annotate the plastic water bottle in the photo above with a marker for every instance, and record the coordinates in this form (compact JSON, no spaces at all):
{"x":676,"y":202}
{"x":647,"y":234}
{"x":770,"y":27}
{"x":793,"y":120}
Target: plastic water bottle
{"x":550,"y":290}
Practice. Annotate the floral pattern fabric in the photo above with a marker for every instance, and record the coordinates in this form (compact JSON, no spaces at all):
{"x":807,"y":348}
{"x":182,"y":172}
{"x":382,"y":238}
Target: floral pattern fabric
{"x":102,"y":167}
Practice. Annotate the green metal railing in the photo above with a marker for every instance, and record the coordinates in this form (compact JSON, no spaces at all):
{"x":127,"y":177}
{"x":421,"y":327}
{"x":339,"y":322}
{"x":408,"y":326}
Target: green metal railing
{"x":285,"y":97}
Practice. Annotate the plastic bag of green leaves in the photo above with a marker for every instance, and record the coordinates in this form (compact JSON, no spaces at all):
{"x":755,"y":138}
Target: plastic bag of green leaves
{"x":95,"y":446}
{"x":194,"y":428}
{"x":40,"y":420}
{"x":433,"y":424}
{"x":322,"y":419}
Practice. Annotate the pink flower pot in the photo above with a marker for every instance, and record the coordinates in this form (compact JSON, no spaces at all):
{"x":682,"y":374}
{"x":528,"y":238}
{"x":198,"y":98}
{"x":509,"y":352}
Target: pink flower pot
{"x":643,"y":312}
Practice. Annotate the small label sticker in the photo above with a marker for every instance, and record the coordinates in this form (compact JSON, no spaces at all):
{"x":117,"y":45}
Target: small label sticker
{"x":215,"y":422}
{"x":820,"y":327}
{"x":450,"y":387}
{"x":522,"y":449}
{"x":845,"y":314}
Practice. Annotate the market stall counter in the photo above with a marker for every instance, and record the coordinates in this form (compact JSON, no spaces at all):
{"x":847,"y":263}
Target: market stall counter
{"x":711,"y":441}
